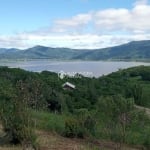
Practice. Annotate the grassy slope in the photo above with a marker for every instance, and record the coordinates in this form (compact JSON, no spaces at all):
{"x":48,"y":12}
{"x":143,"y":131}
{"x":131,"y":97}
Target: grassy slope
{"x":48,"y":139}
{"x":52,"y":141}
{"x":49,"y":123}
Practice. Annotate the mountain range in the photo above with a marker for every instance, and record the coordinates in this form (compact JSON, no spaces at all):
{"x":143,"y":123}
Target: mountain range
{"x":133,"y":50}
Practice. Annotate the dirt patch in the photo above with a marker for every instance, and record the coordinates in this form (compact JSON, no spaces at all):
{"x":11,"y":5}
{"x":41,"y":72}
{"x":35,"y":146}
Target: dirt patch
{"x":52,"y":141}
{"x":147,"y":110}
{"x":49,"y":141}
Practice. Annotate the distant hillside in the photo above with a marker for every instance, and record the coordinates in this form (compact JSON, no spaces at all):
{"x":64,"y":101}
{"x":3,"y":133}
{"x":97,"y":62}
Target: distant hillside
{"x":40,"y":52}
{"x":133,"y":50}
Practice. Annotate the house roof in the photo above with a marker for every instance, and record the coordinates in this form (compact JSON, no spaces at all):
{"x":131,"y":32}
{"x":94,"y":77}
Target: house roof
{"x":69,"y":85}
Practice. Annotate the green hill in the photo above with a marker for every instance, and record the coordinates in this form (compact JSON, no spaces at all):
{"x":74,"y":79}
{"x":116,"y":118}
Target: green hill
{"x":133,"y":50}
{"x":41,"y":52}
{"x":136,"y":50}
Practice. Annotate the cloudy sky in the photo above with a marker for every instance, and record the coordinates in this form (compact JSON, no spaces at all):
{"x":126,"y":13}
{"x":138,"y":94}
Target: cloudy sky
{"x":73,"y":23}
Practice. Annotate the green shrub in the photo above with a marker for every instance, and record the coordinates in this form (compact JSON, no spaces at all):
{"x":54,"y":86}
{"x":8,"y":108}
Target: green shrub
{"x":86,"y":120}
{"x":49,"y":121}
{"x":146,"y":142}
{"x":15,"y":115}
{"x":73,"y":128}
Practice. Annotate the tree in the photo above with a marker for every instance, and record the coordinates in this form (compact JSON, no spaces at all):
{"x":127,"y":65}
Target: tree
{"x":115,"y":112}
{"x":15,"y":115}
{"x":137,"y":94}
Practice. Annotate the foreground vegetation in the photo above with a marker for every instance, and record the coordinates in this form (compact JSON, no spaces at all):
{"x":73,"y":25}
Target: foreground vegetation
{"x":98,"y":109}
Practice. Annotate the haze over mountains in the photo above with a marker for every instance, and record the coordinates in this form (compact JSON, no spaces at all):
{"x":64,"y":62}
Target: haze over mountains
{"x":132,"y":50}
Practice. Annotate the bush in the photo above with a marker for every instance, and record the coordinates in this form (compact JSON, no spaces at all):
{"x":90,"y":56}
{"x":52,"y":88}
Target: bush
{"x":53,"y":122}
{"x":86,"y":120}
{"x":147,"y":141}
{"x":15,"y":116}
{"x":73,"y":128}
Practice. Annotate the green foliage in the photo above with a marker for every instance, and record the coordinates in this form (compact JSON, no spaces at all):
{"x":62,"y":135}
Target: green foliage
{"x":98,"y":107}
{"x":49,"y":121}
{"x":115,"y":112}
{"x":121,"y":122}
{"x":139,"y":130}
{"x":86,"y":120}
{"x":81,"y":124}
{"x":145,"y":74}
{"x":14,"y":116}
{"x":72,"y":128}
{"x":137,"y":93}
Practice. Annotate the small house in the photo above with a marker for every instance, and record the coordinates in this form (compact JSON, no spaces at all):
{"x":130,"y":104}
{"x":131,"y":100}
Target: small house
{"x":68,"y":86}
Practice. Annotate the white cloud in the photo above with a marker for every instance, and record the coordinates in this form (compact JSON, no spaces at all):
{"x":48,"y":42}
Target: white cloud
{"x":75,"y":21}
{"x":94,"y":29}
{"x":130,"y":21}
{"x":111,"y":19}
{"x":74,"y":24}
{"x":84,"y":41}
{"x":17,"y":41}
{"x":141,"y":2}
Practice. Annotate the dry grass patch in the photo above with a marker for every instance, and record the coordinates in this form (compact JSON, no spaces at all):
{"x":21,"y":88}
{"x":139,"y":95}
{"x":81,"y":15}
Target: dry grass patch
{"x":49,"y":141}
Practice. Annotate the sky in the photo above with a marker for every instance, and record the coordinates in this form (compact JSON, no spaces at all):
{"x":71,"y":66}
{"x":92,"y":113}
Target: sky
{"x":78,"y":24}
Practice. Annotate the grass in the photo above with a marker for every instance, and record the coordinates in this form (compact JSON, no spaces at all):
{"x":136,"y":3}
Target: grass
{"x":51,"y":141}
{"x":11,"y":148}
{"x":49,"y":121}
{"x":48,"y":124}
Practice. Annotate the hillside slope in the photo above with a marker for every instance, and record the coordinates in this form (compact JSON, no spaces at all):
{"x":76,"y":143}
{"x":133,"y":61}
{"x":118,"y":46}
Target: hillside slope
{"x":138,"y":50}
{"x":132,"y":50}
{"x":84,"y":113}
{"x":40,"y":52}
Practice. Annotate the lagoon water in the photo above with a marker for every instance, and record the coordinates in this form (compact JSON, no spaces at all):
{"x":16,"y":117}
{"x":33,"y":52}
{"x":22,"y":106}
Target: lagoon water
{"x":87,"y":68}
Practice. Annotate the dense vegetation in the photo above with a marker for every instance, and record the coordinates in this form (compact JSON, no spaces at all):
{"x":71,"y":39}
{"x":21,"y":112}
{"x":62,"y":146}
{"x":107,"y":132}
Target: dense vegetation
{"x":101,"y":108}
{"x":136,"y":50}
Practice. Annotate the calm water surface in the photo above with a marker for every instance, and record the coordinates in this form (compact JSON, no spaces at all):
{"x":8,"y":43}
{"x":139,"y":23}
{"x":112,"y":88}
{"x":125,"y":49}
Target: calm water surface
{"x":87,"y":68}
